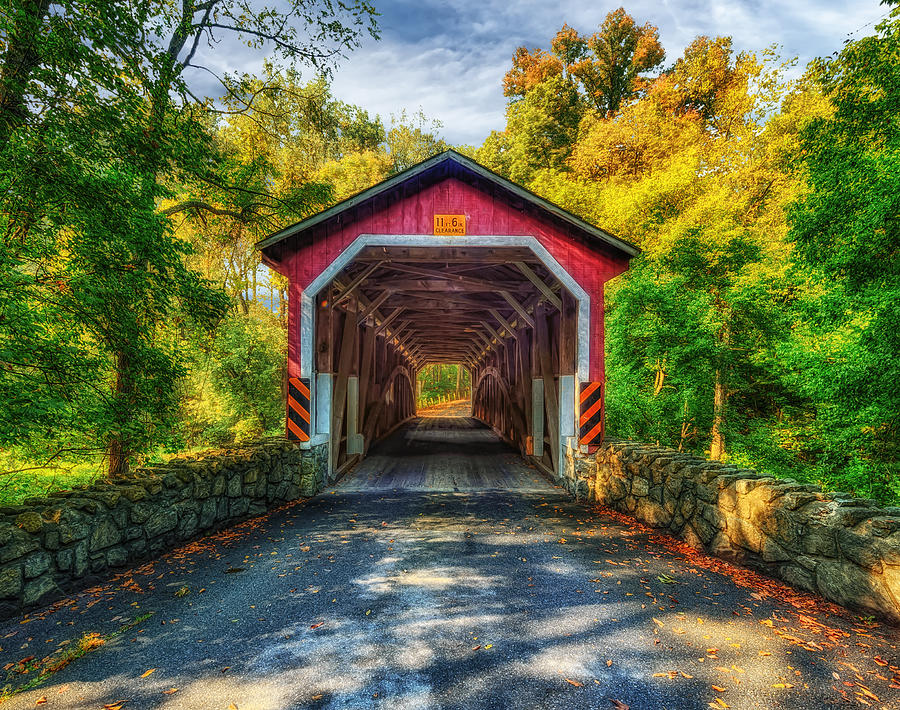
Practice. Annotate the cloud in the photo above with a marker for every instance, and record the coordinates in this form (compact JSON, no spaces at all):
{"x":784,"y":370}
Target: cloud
{"x":449,"y":58}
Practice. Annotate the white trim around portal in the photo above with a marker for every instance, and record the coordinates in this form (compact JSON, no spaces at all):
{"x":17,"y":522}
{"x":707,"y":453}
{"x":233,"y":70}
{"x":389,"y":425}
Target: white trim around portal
{"x":307,"y":327}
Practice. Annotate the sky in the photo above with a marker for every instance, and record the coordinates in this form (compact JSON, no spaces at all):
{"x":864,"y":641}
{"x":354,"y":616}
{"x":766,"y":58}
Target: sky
{"x":448,"y":58}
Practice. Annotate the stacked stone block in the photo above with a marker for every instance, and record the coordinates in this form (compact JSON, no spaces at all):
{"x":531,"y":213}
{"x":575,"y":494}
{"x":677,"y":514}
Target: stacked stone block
{"x":847,"y":549}
{"x":52,"y":544}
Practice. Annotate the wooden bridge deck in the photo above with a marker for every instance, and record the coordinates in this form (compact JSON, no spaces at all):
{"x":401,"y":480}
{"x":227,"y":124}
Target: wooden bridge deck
{"x":444,"y":454}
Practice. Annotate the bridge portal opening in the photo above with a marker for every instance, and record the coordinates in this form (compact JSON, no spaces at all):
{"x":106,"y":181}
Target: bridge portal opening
{"x":444,"y":389}
{"x":446,"y":263}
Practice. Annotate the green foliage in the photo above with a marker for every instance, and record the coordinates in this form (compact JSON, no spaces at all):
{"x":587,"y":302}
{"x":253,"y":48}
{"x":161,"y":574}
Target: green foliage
{"x":98,"y":294}
{"x":412,"y":139}
{"x":605,"y":68}
{"x":736,"y":334}
{"x":441,"y":380}
{"x":622,"y":51}
{"x":23,"y":478}
{"x":846,"y":232}
{"x":582,"y":78}
{"x":248,"y":362}
{"x":541,"y":130}
{"x":92,"y":275}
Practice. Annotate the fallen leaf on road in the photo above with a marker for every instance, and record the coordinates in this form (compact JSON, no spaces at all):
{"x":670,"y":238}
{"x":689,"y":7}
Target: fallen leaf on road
{"x":868,"y":693}
{"x":146,"y":673}
{"x":316,"y":626}
{"x":718,"y":688}
{"x":574,"y":682}
{"x":115,"y":706}
{"x":41,"y":700}
{"x":619,"y":705}
{"x":232,"y":706}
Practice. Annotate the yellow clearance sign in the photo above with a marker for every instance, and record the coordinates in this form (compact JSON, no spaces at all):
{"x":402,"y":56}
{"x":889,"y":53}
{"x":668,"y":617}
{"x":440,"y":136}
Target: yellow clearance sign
{"x":452,"y":224}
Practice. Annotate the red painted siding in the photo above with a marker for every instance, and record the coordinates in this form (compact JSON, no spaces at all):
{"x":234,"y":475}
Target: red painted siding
{"x":485,"y":214}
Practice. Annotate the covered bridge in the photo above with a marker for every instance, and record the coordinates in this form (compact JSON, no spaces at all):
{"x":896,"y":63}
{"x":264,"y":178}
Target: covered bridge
{"x":446,"y":262}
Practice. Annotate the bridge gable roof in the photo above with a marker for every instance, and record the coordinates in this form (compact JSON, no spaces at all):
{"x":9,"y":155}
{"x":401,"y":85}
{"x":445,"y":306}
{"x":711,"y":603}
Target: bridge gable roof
{"x":418,"y":178}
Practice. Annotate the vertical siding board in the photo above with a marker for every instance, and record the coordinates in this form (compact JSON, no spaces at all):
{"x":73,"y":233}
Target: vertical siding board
{"x":295,"y":292}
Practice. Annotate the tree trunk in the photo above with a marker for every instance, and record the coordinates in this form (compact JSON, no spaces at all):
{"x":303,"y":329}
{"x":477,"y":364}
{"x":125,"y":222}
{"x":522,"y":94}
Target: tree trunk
{"x":720,"y":405}
{"x":117,"y":448}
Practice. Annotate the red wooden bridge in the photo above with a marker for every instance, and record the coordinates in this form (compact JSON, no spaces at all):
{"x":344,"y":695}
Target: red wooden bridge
{"x":446,"y":262}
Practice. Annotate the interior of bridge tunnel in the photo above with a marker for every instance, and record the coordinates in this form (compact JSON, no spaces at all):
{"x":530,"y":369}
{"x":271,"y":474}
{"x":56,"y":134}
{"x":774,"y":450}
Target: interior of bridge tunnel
{"x":499,"y":311}
{"x":446,"y":262}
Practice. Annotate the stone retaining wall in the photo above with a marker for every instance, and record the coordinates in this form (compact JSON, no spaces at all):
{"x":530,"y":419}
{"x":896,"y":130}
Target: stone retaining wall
{"x":846,"y":549}
{"x":49,"y":545}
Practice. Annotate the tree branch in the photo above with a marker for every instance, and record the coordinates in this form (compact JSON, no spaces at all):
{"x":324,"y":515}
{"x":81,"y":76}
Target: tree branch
{"x":200,"y":205}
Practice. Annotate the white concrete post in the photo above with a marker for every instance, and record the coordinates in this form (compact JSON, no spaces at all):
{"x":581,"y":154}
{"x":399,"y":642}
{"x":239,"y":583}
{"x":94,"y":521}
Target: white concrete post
{"x":354,"y":438}
{"x":323,"y":413}
{"x":567,"y":424}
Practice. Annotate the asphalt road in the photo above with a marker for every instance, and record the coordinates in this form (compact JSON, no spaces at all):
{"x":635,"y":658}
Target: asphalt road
{"x":469,"y":594}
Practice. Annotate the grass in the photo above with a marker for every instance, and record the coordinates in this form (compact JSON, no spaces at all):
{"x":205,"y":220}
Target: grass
{"x":38,"y":480}
{"x":30,"y":673}
{"x":22,"y":477}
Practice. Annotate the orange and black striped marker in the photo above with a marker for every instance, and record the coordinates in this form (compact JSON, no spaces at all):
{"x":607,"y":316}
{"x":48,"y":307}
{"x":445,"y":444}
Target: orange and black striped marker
{"x":298,"y":409}
{"x":590,"y":424}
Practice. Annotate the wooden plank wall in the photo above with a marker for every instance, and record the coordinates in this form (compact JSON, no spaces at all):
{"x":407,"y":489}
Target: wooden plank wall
{"x":502,"y":395}
{"x":346,"y":348}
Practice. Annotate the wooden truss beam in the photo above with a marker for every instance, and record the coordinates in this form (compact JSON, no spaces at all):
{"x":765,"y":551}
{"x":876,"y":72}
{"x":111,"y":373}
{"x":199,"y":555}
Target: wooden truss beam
{"x":373,"y":306}
{"x":432,"y":285}
{"x":505,"y":323}
{"x":393,"y":314}
{"x":482,"y":284}
{"x":348,"y":290}
{"x":542,"y":287}
{"x":490,"y":329}
{"x":518,"y":308}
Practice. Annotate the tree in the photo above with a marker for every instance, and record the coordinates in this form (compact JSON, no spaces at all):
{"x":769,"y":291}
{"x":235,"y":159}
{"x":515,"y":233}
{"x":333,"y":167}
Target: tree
{"x":412,"y":139}
{"x":529,"y":69}
{"x":622,"y":51}
{"x":607,"y":66}
{"x":582,"y":79}
{"x":691,"y":327}
{"x":97,"y":121}
{"x":540,"y":132}
{"x":846,"y":233}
